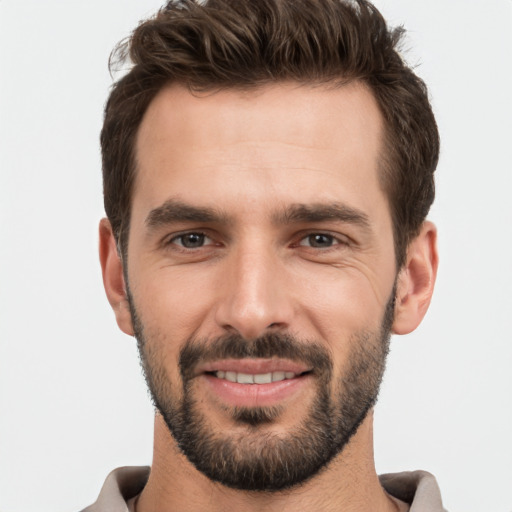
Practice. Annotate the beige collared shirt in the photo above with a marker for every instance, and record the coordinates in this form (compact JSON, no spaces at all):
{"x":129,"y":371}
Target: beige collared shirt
{"x":418,"y":488}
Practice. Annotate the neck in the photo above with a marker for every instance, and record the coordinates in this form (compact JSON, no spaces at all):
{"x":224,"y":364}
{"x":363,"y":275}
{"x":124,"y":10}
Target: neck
{"x":349,"y":482}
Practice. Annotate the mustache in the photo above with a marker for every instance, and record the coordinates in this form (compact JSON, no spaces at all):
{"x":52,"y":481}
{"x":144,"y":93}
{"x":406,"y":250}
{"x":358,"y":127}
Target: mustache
{"x":272,"y":345}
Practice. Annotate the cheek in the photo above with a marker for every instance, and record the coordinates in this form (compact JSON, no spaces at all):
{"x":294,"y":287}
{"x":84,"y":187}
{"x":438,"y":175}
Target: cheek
{"x":173,"y":302}
{"x":341,"y":302}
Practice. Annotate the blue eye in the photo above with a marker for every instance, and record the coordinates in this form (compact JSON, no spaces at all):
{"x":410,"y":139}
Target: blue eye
{"x":319,"y":241}
{"x":190,"y":240}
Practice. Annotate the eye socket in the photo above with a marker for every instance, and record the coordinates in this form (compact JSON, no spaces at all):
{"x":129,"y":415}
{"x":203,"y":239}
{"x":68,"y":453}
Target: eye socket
{"x":196,"y":240}
{"x":191,"y":240}
{"x":319,"y":241}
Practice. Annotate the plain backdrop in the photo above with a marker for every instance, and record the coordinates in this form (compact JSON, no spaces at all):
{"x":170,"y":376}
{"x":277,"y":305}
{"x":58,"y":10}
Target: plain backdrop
{"x":73,"y":404}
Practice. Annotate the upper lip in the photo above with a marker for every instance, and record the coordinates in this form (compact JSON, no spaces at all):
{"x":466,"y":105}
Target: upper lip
{"x":253,"y":366}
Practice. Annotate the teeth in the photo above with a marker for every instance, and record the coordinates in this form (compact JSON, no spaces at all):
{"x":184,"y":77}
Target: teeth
{"x":231,"y":376}
{"x":263,"y":378}
{"x":260,"y":378}
{"x":277,"y":376}
{"x":245,"y":378}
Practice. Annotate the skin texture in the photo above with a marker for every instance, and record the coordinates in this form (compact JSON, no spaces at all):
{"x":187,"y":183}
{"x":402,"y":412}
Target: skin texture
{"x":255,"y":159}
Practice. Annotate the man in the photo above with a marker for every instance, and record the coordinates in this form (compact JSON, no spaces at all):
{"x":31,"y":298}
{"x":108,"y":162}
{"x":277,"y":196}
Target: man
{"x":268,"y":168}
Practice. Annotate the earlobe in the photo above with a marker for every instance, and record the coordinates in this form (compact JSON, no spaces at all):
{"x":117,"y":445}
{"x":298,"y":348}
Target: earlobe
{"x":113,"y":277}
{"x":416,"y":281}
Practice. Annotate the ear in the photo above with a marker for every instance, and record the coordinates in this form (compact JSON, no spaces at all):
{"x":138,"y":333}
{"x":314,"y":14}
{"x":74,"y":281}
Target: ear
{"x":113,"y":277}
{"x":416,"y":280}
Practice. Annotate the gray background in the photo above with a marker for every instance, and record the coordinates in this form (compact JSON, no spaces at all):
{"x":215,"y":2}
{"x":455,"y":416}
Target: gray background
{"x":72,"y":402}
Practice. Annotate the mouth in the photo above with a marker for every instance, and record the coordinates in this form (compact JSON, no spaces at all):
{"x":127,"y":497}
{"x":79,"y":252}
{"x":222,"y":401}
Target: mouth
{"x":254,"y":370}
{"x":258,"y":378}
{"x":255,"y":382}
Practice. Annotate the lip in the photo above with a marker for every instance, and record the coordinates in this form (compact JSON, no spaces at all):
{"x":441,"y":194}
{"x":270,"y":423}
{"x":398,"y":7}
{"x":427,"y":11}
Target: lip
{"x":254,"y":395}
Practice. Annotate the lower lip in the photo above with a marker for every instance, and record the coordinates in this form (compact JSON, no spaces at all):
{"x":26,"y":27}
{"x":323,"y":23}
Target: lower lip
{"x":255,"y":395}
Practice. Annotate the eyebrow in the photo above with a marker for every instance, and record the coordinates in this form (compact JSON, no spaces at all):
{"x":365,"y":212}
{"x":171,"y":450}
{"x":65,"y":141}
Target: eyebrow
{"x":176,"y":211}
{"x":173,"y":211}
{"x":321,"y":212}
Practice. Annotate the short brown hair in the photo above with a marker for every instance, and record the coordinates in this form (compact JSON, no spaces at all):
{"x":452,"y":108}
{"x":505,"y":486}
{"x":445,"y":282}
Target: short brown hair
{"x":220,"y":44}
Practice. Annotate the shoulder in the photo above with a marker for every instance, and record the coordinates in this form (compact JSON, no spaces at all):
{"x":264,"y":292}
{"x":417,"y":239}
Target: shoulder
{"x":120,"y":485}
{"x":417,"y":488}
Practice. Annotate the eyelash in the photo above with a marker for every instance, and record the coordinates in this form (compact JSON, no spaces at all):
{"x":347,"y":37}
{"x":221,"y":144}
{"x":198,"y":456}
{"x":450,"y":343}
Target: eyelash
{"x":172,"y":241}
{"x":337,"y":240}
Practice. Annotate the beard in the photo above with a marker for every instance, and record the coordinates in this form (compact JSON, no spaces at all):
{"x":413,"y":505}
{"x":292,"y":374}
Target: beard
{"x":255,"y":458}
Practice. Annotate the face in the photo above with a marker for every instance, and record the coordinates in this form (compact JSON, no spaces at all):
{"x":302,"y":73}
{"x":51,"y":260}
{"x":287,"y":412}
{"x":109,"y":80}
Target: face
{"x":261,"y":275}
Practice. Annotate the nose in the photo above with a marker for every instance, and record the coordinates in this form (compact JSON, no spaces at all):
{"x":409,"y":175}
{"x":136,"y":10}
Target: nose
{"x":254,"y":296}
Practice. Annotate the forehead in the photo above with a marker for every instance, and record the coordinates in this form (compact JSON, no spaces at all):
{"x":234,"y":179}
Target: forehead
{"x":282,"y":143}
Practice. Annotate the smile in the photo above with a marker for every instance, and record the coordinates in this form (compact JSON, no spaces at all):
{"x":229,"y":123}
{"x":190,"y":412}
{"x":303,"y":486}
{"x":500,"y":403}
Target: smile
{"x":254,"y":370}
{"x":255,"y":382}
{"x":259,"y":378}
